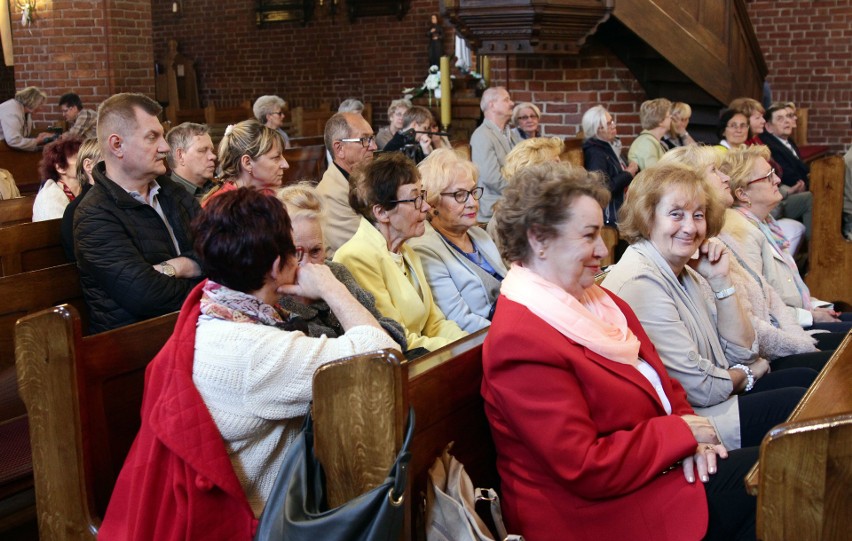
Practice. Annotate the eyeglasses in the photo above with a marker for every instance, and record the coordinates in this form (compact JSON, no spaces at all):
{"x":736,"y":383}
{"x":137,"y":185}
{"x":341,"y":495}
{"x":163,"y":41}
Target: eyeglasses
{"x":418,"y":201}
{"x":280,"y":113}
{"x":314,"y":253}
{"x":768,"y":176}
{"x":737,"y":126}
{"x":526,"y":117}
{"x":461,"y":195}
{"x":365,"y":141}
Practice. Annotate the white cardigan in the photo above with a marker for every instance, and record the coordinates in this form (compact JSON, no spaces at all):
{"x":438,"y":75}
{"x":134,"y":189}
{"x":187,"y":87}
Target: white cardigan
{"x":256,"y":383}
{"x":50,"y":202}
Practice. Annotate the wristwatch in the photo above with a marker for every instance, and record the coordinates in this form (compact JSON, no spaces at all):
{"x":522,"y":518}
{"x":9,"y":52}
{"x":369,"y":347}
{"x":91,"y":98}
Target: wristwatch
{"x":749,"y":376}
{"x":725,"y":293}
{"x":167,"y":269}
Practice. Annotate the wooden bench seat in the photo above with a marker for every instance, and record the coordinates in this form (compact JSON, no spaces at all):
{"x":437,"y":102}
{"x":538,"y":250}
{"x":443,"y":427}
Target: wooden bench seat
{"x":16,"y":211}
{"x":83,"y":398}
{"x":30,"y":246}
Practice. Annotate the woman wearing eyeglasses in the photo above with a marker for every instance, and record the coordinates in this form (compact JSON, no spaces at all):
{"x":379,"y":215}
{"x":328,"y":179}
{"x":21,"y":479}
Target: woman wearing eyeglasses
{"x":462,"y":263}
{"x":306,"y":211}
{"x":733,"y":129}
{"x":754,"y":185}
{"x":388,"y":194}
{"x":525,"y":118}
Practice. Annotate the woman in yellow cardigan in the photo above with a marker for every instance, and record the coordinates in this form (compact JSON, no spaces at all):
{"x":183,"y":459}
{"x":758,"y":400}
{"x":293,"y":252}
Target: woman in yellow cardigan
{"x":388,"y":195}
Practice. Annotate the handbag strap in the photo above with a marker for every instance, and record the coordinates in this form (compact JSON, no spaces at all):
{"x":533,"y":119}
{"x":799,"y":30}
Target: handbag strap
{"x":490,"y":495}
{"x":400,"y":467}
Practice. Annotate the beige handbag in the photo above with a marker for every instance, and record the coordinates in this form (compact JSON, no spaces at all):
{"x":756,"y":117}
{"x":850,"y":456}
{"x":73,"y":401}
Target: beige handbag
{"x":451,"y":505}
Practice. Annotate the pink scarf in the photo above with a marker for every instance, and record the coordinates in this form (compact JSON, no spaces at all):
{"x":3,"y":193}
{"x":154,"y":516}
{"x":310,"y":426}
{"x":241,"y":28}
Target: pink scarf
{"x":594,"y":321}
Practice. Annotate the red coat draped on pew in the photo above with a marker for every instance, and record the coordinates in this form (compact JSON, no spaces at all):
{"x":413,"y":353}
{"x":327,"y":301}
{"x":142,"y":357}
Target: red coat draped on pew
{"x":177,"y":482}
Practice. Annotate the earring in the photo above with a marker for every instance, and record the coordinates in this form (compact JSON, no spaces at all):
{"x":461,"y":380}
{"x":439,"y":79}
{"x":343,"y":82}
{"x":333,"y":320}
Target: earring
{"x":541,"y":253}
{"x":435,"y":212}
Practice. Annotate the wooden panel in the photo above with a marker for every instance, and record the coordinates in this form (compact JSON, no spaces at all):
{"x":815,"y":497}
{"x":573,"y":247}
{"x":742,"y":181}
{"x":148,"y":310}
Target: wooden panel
{"x":30,"y":246}
{"x":806,"y":475}
{"x":830,"y":274}
{"x":308,"y":123}
{"x":358,"y":409}
{"x":17,"y":210}
{"x":23,"y":165}
{"x":718,"y":50}
{"x":83,"y":397}
{"x":305,"y":163}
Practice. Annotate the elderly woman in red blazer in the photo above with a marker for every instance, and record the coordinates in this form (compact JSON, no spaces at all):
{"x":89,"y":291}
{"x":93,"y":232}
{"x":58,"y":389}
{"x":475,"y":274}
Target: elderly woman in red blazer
{"x":594,"y":440}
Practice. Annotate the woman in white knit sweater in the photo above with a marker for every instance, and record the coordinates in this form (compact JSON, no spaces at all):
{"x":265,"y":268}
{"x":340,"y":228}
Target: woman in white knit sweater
{"x":227,"y":394}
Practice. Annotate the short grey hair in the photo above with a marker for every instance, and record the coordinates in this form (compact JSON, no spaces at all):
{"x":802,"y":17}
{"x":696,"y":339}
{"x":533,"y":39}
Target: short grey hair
{"x":180,"y":137}
{"x":266,"y":105}
{"x":396,"y":104}
{"x":351,"y":105}
{"x":489,"y":96}
{"x":336,"y":128}
{"x":593,"y":120}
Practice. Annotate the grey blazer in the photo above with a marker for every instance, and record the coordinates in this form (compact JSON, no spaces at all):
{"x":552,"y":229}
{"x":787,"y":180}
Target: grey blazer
{"x":488,"y":148}
{"x":682,"y":326}
{"x":462,"y":290}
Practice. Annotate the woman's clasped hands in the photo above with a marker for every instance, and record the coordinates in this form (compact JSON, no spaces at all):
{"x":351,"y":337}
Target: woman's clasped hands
{"x":703,"y":459}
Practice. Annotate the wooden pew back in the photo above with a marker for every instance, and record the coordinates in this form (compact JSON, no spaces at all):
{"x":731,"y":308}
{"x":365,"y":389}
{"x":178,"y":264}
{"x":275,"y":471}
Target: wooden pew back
{"x":16,"y":211}
{"x":443,"y":389}
{"x":310,"y":122}
{"x":306,"y":163}
{"x":83,"y":397}
{"x":30,"y":246}
{"x":830,"y":267}
{"x":23,"y":165}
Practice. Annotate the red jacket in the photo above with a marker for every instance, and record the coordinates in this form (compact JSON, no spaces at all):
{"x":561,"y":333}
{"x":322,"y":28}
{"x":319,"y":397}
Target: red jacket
{"x":177,"y":482}
{"x":582,"y":441}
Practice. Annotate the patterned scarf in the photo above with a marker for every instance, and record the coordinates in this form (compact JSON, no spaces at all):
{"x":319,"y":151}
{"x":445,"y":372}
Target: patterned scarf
{"x":772,"y":231}
{"x":220,"y":302}
{"x":67,"y":191}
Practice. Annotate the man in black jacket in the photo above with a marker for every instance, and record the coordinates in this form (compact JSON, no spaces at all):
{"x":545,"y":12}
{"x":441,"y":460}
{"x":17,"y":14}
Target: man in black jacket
{"x":132,"y":231}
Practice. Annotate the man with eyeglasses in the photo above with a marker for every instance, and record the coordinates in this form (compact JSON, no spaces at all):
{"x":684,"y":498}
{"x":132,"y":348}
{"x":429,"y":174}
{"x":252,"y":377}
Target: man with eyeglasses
{"x":798,"y":201}
{"x":489,"y":144}
{"x":83,"y":121}
{"x":350,"y":141}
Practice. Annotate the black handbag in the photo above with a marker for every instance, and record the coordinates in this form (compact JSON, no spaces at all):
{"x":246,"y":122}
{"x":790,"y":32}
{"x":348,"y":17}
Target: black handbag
{"x":296,"y":509}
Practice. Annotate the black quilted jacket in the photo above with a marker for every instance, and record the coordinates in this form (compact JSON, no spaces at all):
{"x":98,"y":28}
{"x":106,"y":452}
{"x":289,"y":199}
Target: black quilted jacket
{"x":117,"y":242}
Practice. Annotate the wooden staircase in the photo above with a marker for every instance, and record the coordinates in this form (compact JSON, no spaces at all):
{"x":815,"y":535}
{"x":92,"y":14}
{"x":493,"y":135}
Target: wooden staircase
{"x":702,"y":52}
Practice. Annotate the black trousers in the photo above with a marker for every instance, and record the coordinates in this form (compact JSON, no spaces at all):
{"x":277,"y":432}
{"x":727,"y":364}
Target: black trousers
{"x":829,"y":341}
{"x":815,"y":360}
{"x":731,"y":508}
{"x":771,"y":401}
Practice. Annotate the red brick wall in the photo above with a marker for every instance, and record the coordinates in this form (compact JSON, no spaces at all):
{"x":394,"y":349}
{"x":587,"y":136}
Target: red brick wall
{"x":91,"y":47}
{"x":808,"y":47}
{"x":373,"y":58}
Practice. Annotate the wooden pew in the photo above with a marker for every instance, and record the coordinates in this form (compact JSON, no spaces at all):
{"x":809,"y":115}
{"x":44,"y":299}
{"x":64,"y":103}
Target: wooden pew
{"x":306,"y":163}
{"x":830,"y":254}
{"x":23,"y":294}
{"x":16,"y":211}
{"x":803,"y":479}
{"x":443,"y":389}
{"x":23,"y":165}
{"x":310,"y":122}
{"x":83,"y":397}
{"x":307,"y":141}
{"x":30,"y":246}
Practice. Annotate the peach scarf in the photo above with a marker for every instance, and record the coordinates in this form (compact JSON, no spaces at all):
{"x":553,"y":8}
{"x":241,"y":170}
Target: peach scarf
{"x":594,"y":321}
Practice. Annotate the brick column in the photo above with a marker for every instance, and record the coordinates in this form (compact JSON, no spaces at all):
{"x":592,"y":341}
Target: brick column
{"x":92,"y":47}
